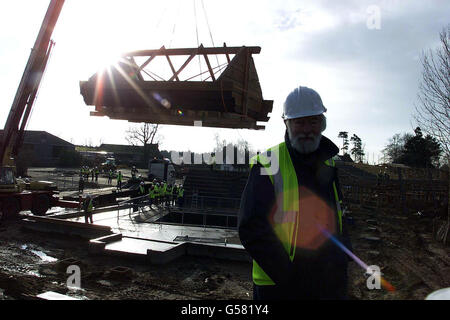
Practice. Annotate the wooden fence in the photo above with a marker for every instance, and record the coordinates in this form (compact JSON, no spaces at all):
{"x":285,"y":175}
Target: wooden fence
{"x":404,"y":196}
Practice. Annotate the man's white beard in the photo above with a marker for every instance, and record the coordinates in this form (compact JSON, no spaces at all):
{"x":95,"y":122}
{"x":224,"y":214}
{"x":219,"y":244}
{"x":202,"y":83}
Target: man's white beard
{"x":305,"y":147}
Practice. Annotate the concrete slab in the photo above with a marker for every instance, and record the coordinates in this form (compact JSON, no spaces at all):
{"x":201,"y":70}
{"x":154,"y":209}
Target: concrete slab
{"x":138,"y":246}
{"x":50,"y":295}
{"x":156,"y":252}
{"x":229,"y":252}
{"x":160,"y":252}
{"x":72,"y":228}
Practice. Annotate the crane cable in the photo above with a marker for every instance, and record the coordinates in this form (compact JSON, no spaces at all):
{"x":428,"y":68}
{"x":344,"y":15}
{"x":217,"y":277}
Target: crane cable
{"x":156,"y":31}
{"x":198,"y":44}
{"x":209,"y":29}
{"x":175,"y":23}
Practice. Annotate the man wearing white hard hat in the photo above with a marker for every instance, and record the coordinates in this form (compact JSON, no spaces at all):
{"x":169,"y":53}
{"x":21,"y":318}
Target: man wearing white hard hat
{"x":291,"y":211}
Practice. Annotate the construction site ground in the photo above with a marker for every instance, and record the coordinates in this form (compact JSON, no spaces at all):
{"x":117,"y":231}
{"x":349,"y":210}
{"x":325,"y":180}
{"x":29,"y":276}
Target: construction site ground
{"x":402,"y":246}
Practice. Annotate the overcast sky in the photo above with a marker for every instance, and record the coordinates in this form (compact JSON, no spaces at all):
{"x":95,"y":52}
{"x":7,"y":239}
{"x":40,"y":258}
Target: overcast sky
{"x":366,"y":69}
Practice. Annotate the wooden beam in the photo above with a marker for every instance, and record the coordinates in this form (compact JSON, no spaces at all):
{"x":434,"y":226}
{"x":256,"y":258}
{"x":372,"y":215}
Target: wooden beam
{"x":245,"y":84}
{"x":138,"y":74}
{"x":172,"y":68}
{"x":211,"y":72}
{"x":161,"y":85}
{"x":208,"y":121}
{"x":189,"y":51}
{"x":183,"y":66}
{"x":147,"y":62}
{"x":228,"y":56}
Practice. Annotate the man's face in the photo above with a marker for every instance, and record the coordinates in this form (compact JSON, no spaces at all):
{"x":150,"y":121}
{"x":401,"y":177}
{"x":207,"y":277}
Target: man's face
{"x":305,"y":133}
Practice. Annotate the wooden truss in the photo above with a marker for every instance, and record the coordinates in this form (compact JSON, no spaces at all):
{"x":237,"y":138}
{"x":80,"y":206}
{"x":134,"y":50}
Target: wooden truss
{"x":231,"y":100}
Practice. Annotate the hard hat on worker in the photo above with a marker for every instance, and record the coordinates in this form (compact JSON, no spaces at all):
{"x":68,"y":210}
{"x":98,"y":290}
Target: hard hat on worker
{"x":302,"y":102}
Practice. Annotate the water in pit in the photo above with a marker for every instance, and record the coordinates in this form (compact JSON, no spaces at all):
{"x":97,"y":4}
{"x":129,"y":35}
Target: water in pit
{"x":43,"y":256}
{"x":40,"y":254}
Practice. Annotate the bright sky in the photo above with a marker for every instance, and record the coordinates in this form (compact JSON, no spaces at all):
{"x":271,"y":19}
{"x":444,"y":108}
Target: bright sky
{"x":367,"y":76}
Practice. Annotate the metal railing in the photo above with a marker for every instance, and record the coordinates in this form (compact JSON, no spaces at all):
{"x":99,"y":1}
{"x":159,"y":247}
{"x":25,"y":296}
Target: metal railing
{"x":137,"y":205}
{"x":211,"y":202}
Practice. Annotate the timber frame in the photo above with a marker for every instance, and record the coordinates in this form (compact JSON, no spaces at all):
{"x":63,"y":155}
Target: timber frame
{"x":231,"y":100}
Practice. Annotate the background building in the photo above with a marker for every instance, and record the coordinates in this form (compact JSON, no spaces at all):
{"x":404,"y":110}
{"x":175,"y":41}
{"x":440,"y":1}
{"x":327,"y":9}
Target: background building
{"x":42,"y":149}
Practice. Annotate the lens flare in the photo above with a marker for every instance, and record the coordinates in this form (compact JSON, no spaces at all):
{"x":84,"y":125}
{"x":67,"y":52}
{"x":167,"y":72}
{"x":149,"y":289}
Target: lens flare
{"x":179,"y":112}
{"x":384,"y":282}
{"x":164,"y":102}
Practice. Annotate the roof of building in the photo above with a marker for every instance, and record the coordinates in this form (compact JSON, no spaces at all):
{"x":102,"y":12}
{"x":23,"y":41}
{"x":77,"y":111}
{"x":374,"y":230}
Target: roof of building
{"x":42,"y":137}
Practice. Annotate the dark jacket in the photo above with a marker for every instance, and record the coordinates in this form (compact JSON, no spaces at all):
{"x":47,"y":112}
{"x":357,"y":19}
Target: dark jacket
{"x":313,"y":273}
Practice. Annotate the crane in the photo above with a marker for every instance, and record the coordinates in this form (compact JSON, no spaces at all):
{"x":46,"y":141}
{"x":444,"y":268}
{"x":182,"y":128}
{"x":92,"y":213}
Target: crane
{"x":16,"y":194}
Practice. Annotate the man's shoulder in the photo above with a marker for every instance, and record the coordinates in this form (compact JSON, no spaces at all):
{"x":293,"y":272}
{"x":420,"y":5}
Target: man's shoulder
{"x":328,"y":147}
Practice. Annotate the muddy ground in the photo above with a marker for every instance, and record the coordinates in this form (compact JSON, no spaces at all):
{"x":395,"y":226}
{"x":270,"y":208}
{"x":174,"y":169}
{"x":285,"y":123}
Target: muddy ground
{"x":32,"y":263}
{"x":24,"y":274}
{"x":408,"y":257}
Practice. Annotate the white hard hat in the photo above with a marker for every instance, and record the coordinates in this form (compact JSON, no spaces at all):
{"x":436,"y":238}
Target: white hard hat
{"x":302,"y":102}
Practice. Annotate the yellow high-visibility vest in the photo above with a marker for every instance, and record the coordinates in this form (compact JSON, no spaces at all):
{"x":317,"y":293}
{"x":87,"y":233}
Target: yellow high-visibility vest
{"x":90,"y":206}
{"x":277,"y":164}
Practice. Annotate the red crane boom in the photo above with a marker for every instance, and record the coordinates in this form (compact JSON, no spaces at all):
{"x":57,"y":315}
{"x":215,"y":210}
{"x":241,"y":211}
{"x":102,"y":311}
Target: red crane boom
{"x":26,"y":93}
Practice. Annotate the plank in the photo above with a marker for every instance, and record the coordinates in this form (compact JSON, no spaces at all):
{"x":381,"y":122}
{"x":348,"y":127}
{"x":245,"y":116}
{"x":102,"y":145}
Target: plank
{"x":189,"y":51}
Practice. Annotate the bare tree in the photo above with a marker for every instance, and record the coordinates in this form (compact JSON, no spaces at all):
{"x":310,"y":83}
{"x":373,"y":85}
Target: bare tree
{"x":220,"y":143}
{"x":243,"y":145}
{"x":88,"y":143}
{"x":143,"y":135}
{"x":433,"y":109}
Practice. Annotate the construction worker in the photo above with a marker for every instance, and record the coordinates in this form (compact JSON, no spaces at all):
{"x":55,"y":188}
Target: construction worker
{"x":155,"y":193}
{"x":133,"y":172}
{"x":138,"y":199}
{"x":180,"y":196}
{"x":141,"y":188}
{"x":169,"y":195}
{"x":88,"y":208}
{"x":158,"y":192}
{"x":110,"y":176}
{"x":119,"y":180}
{"x":161,"y":192}
{"x":291,"y":207}
{"x":174,"y":194}
{"x":81,"y":184}
{"x":164,"y":193}
{"x":151,"y":194}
